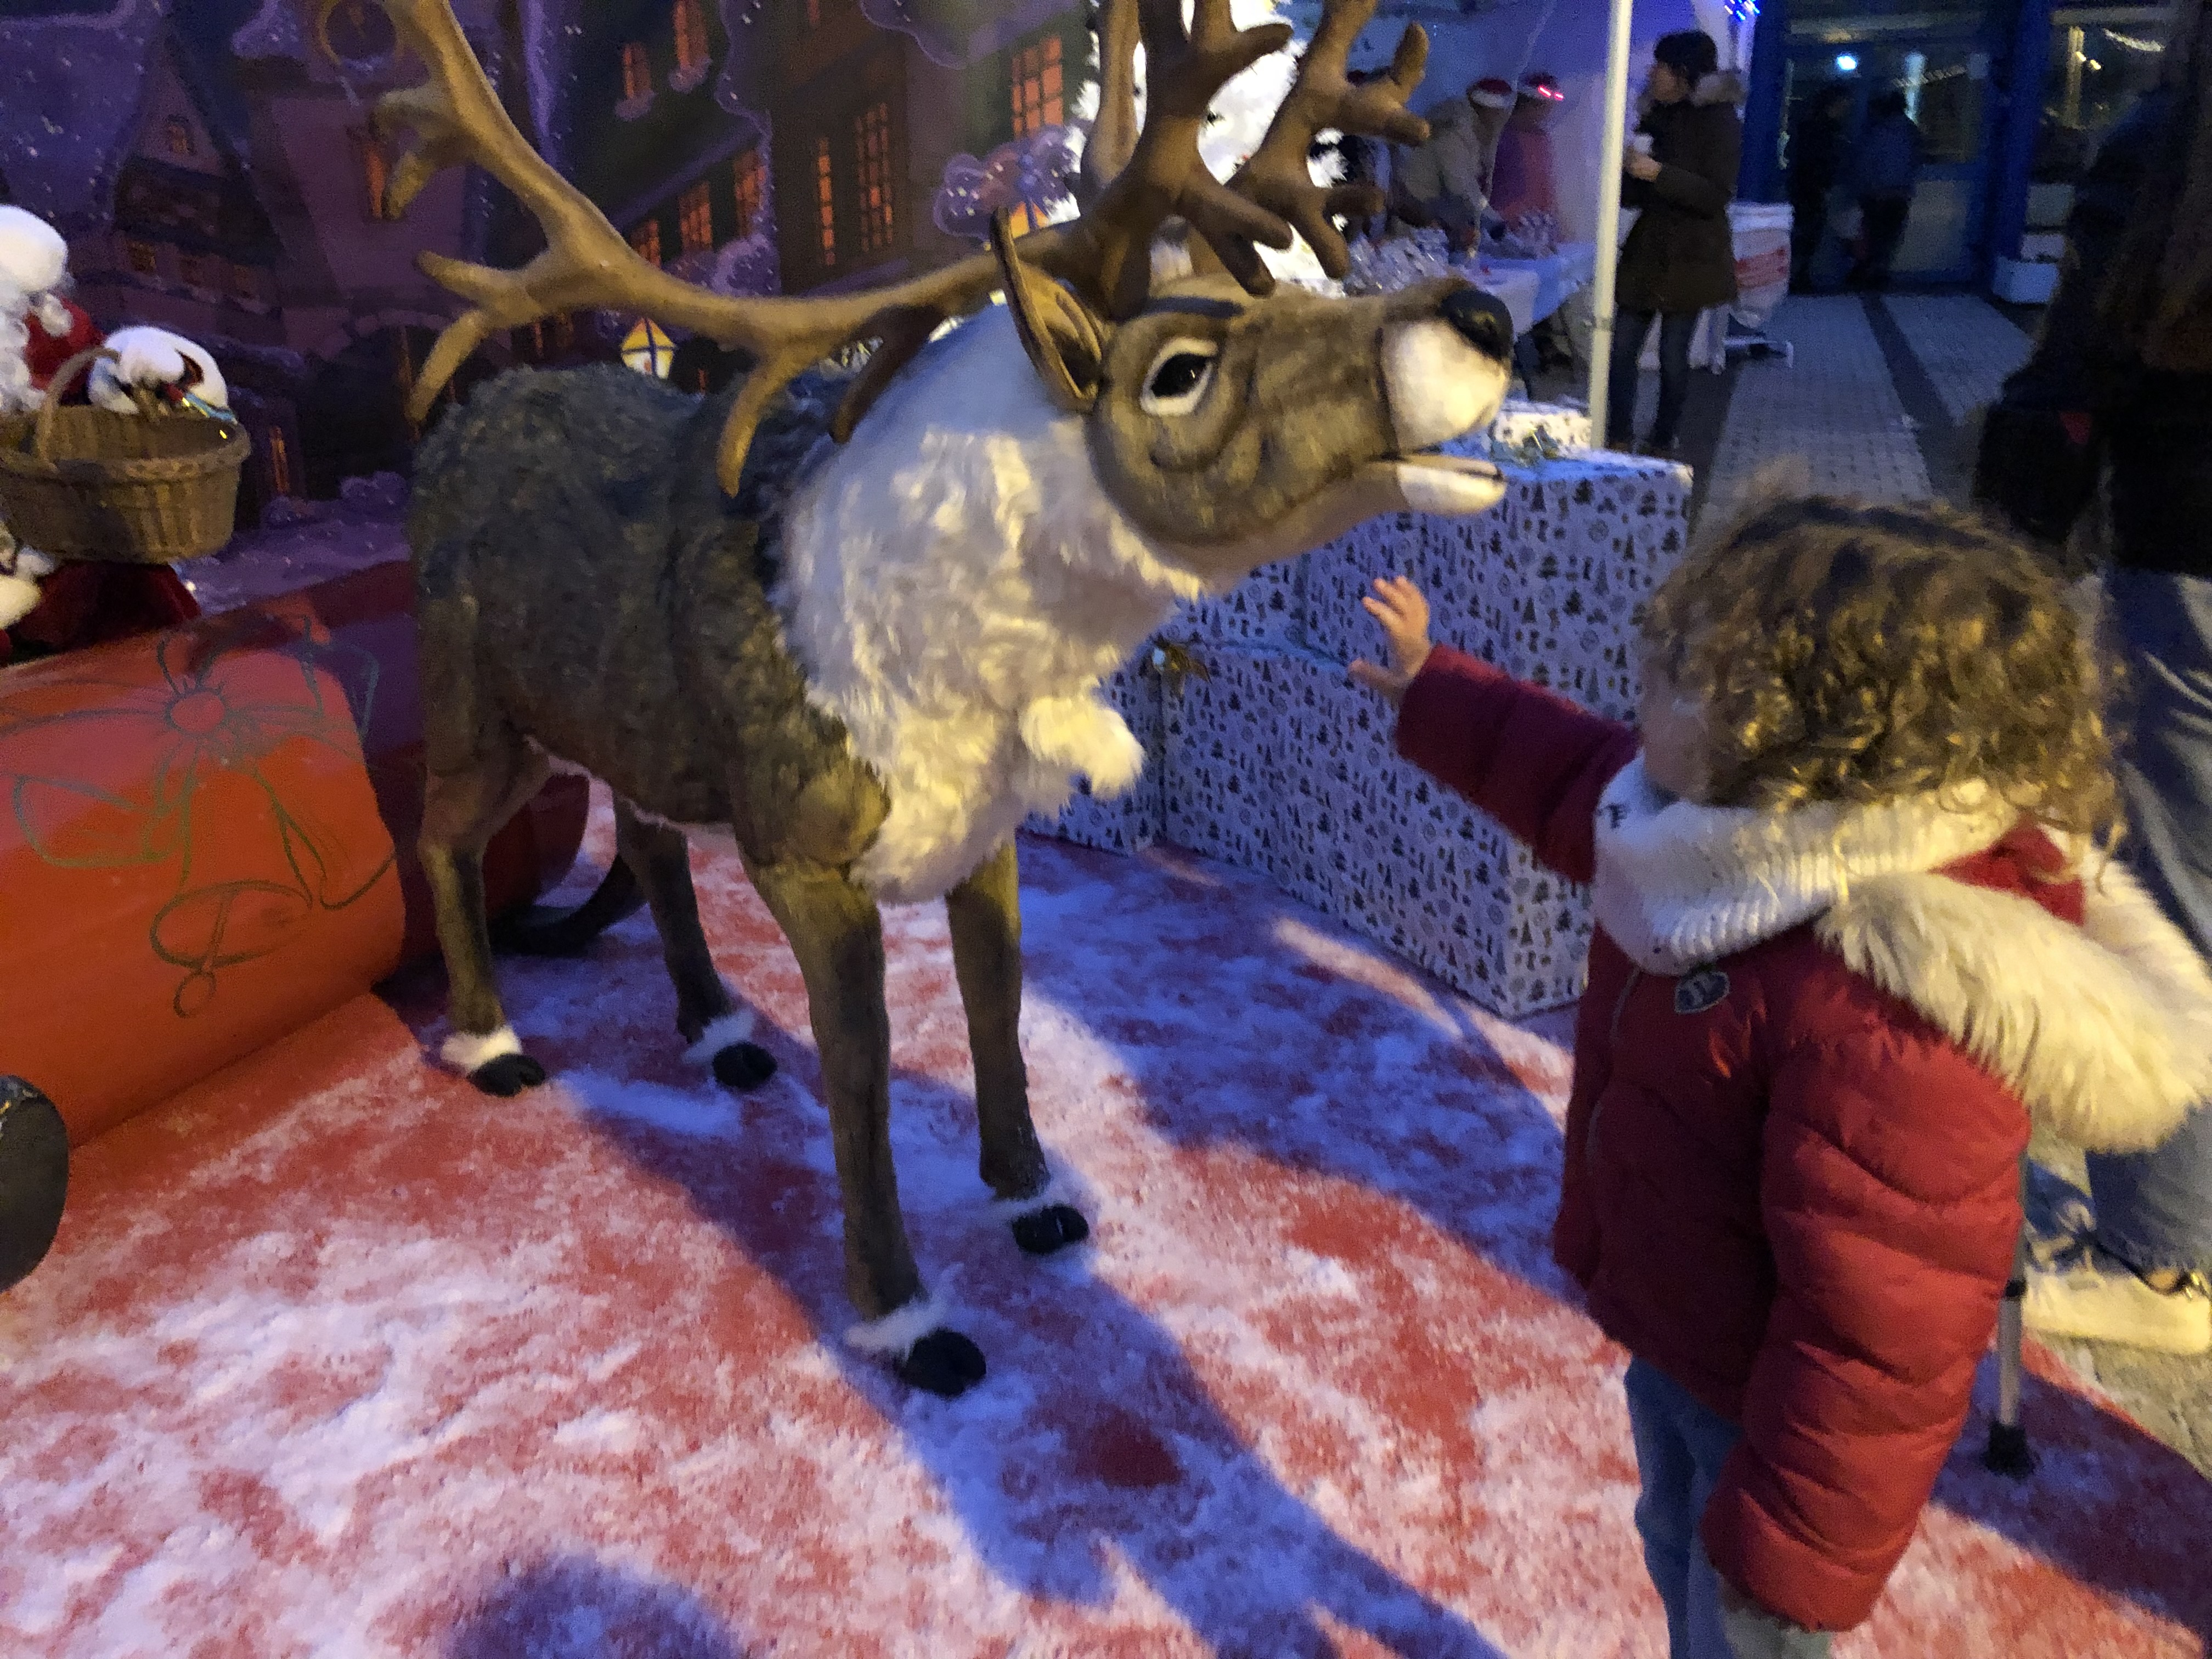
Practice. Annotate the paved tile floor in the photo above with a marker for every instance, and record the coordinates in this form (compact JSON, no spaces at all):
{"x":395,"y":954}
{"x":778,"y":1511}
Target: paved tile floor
{"x":1834,"y":407}
{"x":1965,"y":345}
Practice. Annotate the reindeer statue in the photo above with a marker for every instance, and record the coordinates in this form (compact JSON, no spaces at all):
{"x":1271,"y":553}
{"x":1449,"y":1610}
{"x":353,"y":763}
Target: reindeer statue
{"x":868,"y":647}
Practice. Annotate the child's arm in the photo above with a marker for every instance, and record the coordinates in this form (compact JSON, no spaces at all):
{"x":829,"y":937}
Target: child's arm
{"x":1529,"y":758}
{"x":1890,"y":1193}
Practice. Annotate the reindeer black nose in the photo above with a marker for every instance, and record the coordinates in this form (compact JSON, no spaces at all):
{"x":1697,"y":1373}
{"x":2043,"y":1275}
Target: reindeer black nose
{"x":1482,"y":321}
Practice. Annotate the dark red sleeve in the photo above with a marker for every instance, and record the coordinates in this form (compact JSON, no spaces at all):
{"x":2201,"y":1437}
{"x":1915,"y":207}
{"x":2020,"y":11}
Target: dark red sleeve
{"x":46,"y":353}
{"x":1890,"y":1189}
{"x":1529,"y":758}
{"x":84,"y":605}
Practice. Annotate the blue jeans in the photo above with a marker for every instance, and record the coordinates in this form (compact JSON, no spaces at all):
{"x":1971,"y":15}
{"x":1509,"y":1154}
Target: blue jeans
{"x":2154,"y":1208}
{"x":1680,"y":1448}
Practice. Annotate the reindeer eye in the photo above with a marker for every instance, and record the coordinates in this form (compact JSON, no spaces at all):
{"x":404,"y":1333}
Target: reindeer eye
{"x":1178,"y":377}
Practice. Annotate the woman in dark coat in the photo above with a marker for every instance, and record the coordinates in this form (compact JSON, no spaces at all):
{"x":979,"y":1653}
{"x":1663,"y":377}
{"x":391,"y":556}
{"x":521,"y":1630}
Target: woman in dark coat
{"x":1680,"y":259}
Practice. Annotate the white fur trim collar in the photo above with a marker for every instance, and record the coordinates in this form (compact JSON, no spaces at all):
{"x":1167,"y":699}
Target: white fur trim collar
{"x":2104,"y":1030}
{"x":1678,"y":884}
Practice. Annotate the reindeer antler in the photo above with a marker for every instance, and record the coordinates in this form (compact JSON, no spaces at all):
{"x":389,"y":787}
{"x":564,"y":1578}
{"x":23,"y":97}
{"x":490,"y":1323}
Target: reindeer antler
{"x":1277,"y":176}
{"x":1110,"y":252}
{"x":1106,"y":253}
{"x":1113,"y":136}
{"x":457,"y":117}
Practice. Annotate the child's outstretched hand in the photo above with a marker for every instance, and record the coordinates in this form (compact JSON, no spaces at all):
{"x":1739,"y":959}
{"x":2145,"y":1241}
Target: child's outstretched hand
{"x":1404,"y":613}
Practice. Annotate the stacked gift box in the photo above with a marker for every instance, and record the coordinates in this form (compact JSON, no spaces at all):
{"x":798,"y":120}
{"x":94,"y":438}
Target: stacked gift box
{"x":1265,"y":755}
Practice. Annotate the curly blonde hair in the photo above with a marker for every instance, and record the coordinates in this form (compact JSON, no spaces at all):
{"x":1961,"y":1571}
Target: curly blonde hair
{"x":1860,"y":654}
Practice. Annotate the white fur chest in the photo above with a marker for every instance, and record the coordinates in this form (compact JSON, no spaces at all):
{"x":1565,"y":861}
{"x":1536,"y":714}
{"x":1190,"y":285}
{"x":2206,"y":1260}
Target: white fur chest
{"x":957,"y":585}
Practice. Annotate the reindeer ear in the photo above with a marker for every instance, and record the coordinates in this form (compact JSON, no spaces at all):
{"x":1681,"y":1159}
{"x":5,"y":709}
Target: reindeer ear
{"x":1065,"y":345}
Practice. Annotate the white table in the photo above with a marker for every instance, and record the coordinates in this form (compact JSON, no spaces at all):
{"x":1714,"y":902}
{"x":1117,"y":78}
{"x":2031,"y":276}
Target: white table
{"x":1558,"y":278}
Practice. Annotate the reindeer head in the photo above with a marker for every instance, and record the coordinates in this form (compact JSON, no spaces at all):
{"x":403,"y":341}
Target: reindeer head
{"x":1232,"y":423}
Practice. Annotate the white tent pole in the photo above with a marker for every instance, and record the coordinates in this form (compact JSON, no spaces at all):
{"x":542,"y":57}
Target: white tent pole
{"x":1613,"y":142}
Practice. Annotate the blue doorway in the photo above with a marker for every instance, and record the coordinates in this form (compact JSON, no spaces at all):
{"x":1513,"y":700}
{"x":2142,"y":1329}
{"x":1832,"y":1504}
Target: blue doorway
{"x":1941,"y":64}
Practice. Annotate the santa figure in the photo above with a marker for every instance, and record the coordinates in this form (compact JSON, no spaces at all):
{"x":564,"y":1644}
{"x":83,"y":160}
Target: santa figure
{"x":1522,"y":181}
{"x":47,"y":606}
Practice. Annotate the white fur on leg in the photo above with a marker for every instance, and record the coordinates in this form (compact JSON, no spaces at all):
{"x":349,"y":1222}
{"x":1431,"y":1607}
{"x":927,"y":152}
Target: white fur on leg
{"x":720,"y":1034}
{"x":465,"y":1051}
{"x":895,"y":1335}
{"x":1013,"y":1209}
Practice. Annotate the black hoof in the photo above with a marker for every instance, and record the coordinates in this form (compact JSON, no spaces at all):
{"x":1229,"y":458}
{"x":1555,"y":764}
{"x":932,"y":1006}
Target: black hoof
{"x":510,"y":1074}
{"x":2009,"y":1453}
{"x":743,"y":1066}
{"x":944,"y":1363}
{"x":34,"y":1178}
{"x":1053,"y":1228}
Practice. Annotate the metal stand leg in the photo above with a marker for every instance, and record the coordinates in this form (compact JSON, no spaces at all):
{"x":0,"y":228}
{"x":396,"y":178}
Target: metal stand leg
{"x":2009,"y":1453}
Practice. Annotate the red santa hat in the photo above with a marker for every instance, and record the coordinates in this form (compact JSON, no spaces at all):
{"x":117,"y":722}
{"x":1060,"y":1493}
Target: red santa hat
{"x":1491,"y":92}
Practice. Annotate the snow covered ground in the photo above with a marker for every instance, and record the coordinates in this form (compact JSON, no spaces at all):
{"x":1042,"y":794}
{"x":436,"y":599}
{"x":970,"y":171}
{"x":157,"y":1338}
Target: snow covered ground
{"x":336,"y":1357}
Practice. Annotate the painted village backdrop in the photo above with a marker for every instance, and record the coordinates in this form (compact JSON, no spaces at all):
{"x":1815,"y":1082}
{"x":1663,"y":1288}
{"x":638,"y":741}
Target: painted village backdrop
{"x":212,"y":165}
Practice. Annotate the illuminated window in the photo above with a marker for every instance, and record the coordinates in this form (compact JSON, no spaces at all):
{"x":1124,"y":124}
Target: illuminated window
{"x":872,"y":141}
{"x":280,"y":463}
{"x":179,"y":132}
{"x":564,"y":331}
{"x":1037,"y":99}
{"x":751,"y":186}
{"x":825,"y":198}
{"x":694,"y":218}
{"x":375,"y":173}
{"x":193,"y":268}
{"x":691,"y":37}
{"x":246,"y":283}
{"x":637,"y":74}
{"x":143,"y":260}
{"x":646,"y":239}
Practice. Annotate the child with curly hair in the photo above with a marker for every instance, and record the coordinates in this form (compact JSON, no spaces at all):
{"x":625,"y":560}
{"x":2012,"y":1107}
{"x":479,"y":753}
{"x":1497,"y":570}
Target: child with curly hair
{"x":1854,"y":933}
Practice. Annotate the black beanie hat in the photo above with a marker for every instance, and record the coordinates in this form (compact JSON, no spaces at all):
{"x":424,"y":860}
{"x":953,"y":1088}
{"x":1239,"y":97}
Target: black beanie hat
{"x":1690,"y":54}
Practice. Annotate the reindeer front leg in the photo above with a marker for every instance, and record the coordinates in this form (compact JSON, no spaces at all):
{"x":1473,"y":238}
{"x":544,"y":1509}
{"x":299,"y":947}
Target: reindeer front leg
{"x":985,"y":912}
{"x":837,"y":934}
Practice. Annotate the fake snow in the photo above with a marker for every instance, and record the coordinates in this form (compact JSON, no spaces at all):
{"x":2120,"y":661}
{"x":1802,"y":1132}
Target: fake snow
{"x":336,"y":1357}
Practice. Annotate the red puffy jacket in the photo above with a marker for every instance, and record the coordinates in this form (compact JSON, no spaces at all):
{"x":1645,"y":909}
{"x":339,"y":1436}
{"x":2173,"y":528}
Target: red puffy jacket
{"x":1793,"y":1143}
{"x":84,"y":605}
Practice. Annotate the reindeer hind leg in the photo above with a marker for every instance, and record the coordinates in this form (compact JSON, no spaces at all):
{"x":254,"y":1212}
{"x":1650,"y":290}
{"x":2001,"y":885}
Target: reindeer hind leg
{"x":462,"y":811}
{"x":659,"y":859}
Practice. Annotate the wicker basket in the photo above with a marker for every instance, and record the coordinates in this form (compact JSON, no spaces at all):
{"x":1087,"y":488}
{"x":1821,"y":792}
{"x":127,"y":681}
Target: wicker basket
{"x":146,"y":488}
